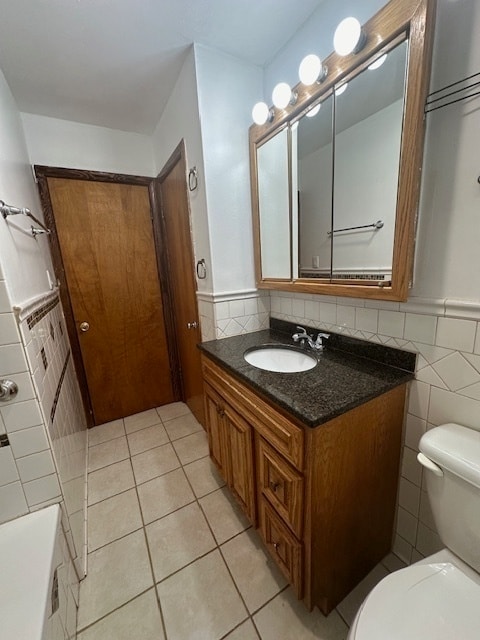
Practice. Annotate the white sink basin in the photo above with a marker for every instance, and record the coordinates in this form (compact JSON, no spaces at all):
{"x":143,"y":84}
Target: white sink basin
{"x":281,"y":359}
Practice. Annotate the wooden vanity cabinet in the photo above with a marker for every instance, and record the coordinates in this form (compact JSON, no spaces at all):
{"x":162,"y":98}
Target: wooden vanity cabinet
{"x":323,"y":498}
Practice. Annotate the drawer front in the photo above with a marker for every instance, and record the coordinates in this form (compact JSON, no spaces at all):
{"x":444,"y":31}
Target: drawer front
{"x":282,"y":545}
{"x":281,"y":484}
{"x":281,"y":433}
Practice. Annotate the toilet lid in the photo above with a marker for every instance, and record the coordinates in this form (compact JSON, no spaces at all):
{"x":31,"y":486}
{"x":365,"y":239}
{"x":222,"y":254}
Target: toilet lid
{"x":425,"y":601}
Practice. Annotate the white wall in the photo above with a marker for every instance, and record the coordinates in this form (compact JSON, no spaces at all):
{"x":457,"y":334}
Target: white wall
{"x":61,"y":143}
{"x":23,"y":259}
{"x":180,"y":120}
{"x":448,"y":259}
{"x":227,"y":90}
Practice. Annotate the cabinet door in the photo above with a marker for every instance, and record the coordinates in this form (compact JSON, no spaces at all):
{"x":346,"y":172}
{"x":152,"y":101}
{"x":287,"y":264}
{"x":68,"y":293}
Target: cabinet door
{"x":216,"y":429}
{"x":240,"y":467}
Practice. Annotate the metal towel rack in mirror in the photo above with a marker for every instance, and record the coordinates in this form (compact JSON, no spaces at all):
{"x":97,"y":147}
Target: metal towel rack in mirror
{"x":9,"y":210}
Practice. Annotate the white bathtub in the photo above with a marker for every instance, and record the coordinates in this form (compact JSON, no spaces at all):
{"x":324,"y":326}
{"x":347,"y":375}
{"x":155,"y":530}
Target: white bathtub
{"x":34,"y":564}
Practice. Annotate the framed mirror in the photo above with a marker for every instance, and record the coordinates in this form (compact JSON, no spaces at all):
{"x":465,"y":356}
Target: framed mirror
{"x":343,"y":222}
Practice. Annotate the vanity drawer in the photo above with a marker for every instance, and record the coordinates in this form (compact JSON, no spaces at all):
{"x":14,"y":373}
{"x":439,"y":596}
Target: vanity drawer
{"x":282,"y":545}
{"x":281,"y":433}
{"x":280,"y":484}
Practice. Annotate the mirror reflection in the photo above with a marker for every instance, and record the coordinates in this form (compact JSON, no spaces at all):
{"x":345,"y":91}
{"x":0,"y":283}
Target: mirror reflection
{"x":312,"y":148}
{"x":274,"y":206}
{"x":368,"y":131}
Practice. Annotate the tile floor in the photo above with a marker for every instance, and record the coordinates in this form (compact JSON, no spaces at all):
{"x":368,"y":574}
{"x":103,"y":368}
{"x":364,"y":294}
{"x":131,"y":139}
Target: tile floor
{"x":171,"y":557}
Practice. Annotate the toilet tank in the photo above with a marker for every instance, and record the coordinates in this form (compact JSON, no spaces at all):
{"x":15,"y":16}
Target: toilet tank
{"x":455,"y":494}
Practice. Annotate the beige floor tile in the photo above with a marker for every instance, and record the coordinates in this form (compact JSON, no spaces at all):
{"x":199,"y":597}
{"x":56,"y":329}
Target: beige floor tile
{"x":147,"y":438}
{"x":112,"y":519}
{"x":200,"y":601}
{"x":101,"y":455}
{"x":154,"y":462}
{"x":116,"y":574}
{"x":139,"y":619}
{"x":141,"y":420}
{"x":105,"y":432}
{"x":192,"y":447}
{"x":164,"y":494}
{"x":178,"y":539}
{"x":245,"y":631}
{"x":286,"y":618}
{"x":109,"y":481}
{"x":182,"y":426}
{"x":173,"y":410}
{"x":203,"y":477}
{"x":254,"y":572}
{"x":224,"y":516}
{"x":349,"y":606}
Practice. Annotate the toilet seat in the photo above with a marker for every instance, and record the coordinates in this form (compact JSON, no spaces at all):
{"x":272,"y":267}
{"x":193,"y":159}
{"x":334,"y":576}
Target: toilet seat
{"x":422,"y":602}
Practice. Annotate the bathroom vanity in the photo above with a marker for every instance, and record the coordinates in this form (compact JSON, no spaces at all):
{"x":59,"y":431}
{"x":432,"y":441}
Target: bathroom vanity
{"x":312,"y":457}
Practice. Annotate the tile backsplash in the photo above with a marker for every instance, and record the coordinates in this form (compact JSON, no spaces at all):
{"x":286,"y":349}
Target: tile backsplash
{"x":45,"y":460}
{"x":444,"y":334}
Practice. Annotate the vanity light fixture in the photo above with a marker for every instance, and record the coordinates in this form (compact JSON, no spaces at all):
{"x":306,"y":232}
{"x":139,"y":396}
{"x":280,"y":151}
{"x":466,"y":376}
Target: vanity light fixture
{"x":341,"y":89}
{"x":313,"y":112}
{"x":283,"y":96}
{"x":349,"y":37}
{"x":261,"y":113}
{"x":378,"y":63}
{"x":311,"y":70}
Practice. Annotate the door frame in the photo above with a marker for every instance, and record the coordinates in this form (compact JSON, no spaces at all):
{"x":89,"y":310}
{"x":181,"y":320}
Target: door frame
{"x":179,"y":155}
{"x":43,"y":172}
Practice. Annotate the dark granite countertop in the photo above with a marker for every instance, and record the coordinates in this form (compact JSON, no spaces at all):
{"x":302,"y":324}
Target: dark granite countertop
{"x":339,"y":382}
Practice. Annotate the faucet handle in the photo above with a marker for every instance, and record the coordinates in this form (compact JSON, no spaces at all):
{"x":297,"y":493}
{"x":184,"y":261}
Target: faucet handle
{"x":302,"y":329}
{"x":319,"y":340}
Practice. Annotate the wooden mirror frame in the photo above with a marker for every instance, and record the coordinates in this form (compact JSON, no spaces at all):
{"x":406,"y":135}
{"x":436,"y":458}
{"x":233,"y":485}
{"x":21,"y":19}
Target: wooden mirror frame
{"x":414,"y":19}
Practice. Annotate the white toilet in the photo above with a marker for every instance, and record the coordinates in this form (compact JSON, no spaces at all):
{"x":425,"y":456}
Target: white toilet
{"x":437,"y":598}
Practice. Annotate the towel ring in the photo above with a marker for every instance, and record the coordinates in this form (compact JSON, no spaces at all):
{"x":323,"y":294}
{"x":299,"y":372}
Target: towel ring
{"x":193,"y":179}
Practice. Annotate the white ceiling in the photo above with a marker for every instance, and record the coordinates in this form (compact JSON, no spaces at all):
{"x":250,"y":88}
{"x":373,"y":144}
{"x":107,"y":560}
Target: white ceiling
{"x":114,"y":63}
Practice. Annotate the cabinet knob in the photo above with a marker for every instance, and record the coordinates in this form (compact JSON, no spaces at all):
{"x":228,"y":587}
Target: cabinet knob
{"x":276,"y":546}
{"x":274,"y":486}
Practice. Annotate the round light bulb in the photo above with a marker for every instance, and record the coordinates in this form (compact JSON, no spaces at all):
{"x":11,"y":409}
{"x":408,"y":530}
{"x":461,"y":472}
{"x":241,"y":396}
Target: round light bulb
{"x":260,"y":113}
{"x":341,"y":89}
{"x":313,"y":112}
{"x":347,"y":37}
{"x":310,"y":69}
{"x":282,"y":95}
{"x":378,"y":63}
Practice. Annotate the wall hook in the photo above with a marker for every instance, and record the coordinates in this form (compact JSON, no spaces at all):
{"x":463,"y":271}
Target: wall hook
{"x":193,"y":179}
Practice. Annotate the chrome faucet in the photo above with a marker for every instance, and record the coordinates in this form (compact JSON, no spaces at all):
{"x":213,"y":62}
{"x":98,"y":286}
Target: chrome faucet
{"x":303,"y":337}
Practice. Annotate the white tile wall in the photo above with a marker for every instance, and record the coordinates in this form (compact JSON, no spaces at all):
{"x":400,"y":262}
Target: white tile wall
{"x":446,"y":389}
{"x":42,"y":455}
{"x":236,"y":315}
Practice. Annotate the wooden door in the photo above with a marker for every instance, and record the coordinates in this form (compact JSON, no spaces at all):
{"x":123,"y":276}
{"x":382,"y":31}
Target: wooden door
{"x":172,"y":186}
{"x":108,"y":253}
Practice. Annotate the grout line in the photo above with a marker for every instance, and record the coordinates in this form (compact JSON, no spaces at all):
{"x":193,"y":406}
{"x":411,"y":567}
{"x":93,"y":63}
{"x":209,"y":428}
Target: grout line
{"x":124,"y":604}
{"x":159,"y":604}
